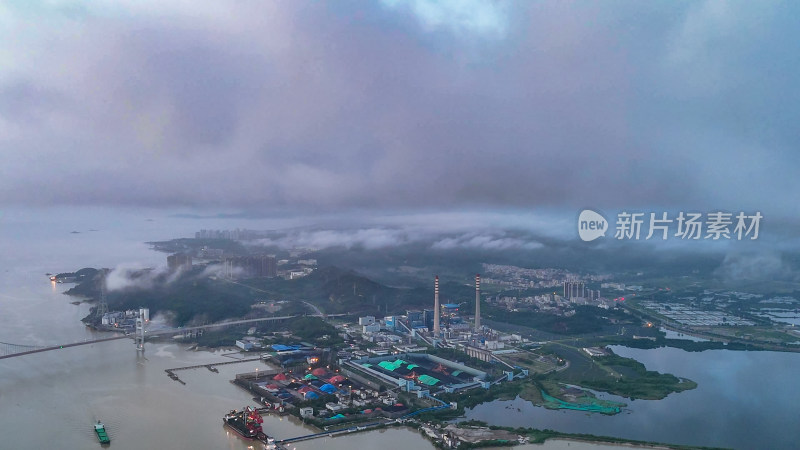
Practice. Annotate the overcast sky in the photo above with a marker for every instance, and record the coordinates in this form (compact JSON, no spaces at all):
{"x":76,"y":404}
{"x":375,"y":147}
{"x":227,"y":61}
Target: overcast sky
{"x":407,"y":105}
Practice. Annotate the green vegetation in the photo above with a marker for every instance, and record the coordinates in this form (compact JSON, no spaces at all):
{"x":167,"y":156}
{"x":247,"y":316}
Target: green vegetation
{"x":542,"y":393}
{"x":339,"y":291}
{"x":196,"y":297}
{"x":313,"y":330}
{"x":617,"y":375}
{"x":220,"y":338}
{"x":650,"y":385}
{"x":530,"y":362}
{"x":539,"y":392}
{"x":578,"y":401}
{"x":683,"y":344}
{"x":190,"y":297}
{"x":581,"y":366}
{"x":85,"y":273}
{"x":304,"y":329}
{"x":88,"y":282}
{"x":587,"y":319}
{"x":525,"y":388}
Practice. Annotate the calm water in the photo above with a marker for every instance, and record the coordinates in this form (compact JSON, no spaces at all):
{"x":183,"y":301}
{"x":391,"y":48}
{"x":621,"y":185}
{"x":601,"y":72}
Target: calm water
{"x":744,"y":400}
{"x":51,"y":400}
{"x":669,"y":334}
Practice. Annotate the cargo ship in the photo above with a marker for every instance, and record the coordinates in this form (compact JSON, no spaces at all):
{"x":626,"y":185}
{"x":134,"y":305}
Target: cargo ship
{"x":100,"y":429}
{"x":247,"y":423}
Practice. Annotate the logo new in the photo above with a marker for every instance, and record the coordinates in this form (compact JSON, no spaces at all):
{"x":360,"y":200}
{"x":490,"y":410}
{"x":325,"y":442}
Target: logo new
{"x":591,"y":225}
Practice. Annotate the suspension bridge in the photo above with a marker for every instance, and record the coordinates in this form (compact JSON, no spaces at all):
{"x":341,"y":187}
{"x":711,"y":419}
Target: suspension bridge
{"x":12,"y":350}
{"x":9,"y":350}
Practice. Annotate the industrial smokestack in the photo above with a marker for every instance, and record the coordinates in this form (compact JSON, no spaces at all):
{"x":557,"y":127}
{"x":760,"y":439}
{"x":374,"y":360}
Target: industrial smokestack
{"x":436,"y":307}
{"x":478,"y":302}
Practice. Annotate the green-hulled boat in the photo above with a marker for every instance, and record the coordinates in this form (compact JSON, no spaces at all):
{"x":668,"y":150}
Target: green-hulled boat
{"x":100,"y":429}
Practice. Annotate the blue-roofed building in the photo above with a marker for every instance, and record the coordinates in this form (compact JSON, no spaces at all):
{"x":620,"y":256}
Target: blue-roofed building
{"x":284,"y":348}
{"x":328,"y":388}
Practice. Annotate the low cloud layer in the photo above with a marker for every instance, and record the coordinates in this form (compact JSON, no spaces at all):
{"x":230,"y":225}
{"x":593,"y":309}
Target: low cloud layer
{"x":384,"y":238}
{"x":370,"y":238}
{"x":133,"y":276}
{"x":766,"y":266}
{"x":485,"y":242}
{"x":349,"y":106}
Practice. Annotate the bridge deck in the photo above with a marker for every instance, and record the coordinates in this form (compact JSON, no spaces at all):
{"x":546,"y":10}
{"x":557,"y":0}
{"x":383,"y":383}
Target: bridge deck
{"x":59,"y":347}
{"x":34,"y":349}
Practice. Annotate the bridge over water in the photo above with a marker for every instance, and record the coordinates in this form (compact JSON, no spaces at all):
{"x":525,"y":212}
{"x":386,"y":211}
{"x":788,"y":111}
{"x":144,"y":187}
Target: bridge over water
{"x":11,"y":350}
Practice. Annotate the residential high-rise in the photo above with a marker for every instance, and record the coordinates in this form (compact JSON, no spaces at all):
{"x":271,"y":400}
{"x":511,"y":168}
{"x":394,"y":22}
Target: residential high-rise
{"x":574,"y":290}
{"x":179,"y":261}
{"x":251,"y":266}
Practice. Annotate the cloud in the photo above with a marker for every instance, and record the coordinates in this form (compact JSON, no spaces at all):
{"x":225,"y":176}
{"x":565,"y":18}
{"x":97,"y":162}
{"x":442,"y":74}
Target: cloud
{"x":219,"y":270}
{"x":485,"y":242}
{"x":127,"y":276}
{"x":760,"y":266}
{"x":370,"y":239}
{"x":399,"y":106}
{"x":134,"y":276}
{"x":459,"y":16}
{"x":383,"y":238}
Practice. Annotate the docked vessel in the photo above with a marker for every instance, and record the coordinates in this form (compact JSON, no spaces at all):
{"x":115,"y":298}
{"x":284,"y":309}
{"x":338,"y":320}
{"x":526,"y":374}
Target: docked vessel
{"x":100,"y":429}
{"x":247,"y":423}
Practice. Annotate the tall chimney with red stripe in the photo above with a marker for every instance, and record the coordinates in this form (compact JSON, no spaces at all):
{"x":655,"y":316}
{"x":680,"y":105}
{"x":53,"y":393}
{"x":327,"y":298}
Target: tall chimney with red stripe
{"x":436,"y":307}
{"x":478,"y":302}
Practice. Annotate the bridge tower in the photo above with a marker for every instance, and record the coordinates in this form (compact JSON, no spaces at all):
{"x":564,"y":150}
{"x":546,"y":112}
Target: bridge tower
{"x":102,"y":306}
{"x":140,"y":321}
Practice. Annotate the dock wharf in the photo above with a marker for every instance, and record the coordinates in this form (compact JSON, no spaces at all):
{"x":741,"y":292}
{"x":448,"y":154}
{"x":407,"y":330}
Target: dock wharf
{"x":211,"y":367}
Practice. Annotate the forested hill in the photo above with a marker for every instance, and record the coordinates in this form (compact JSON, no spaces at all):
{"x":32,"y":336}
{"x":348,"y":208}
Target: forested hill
{"x":195,"y":295}
{"x":335,"y":290}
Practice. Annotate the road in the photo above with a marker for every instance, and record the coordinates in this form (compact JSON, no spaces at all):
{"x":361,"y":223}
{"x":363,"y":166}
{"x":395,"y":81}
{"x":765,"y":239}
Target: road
{"x":313,"y":307}
{"x":316,"y":310}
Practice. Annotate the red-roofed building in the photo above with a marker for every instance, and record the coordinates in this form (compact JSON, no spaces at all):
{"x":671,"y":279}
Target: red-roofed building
{"x":337,"y":379}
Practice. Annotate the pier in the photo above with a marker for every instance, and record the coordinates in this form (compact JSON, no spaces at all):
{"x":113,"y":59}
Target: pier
{"x":283,"y":444}
{"x":211,"y":367}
